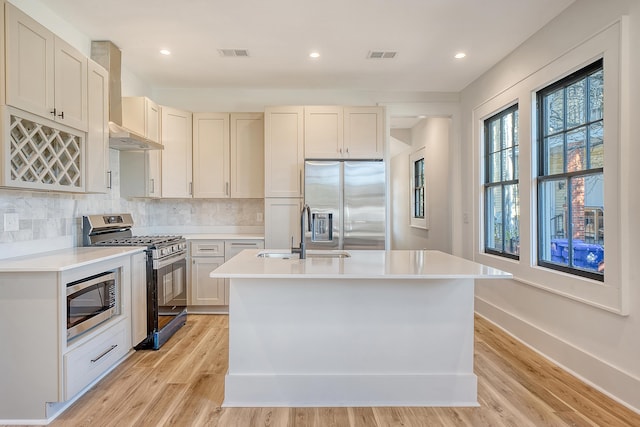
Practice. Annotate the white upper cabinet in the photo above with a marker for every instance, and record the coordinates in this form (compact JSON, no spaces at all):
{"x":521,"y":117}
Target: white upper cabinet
{"x":335,"y":132}
{"x":176,"y":127}
{"x":141,"y":115}
{"x":364,"y":132}
{"x":323,"y":132}
{"x":284,"y":151}
{"x":153,"y":173}
{"x":140,"y":171}
{"x":97,"y":144}
{"x":45,"y":75}
{"x":211,"y":155}
{"x":228,"y":155}
{"x":3,"y":98}
{"x":282,"y":222}
{"x":247,"y":155}
{"x":70,"y":85}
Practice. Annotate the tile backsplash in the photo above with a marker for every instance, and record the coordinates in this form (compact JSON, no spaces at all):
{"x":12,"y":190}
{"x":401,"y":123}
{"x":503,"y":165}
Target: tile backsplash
{"x":50,"y":221}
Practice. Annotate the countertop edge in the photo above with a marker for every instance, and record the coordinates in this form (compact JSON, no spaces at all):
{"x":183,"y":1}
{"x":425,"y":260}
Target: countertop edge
{"x":410,"y":265}
{"x":222,"y":236}
{"x":30,"y":263}
{"x":359,"y":277}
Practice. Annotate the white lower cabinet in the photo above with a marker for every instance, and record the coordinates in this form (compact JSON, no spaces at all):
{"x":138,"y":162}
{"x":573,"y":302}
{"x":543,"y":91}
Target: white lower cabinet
{"x":44,"y":368}
{"x":87,"y":362}
{"x":205,"y":256}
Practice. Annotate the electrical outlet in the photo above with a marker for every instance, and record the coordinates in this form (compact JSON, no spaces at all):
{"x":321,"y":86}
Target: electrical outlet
{"x":259,"y":217}
{"x":11,"y":222}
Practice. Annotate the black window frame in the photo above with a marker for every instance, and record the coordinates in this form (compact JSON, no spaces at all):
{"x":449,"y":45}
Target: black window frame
{"x":418,"y":189}
{"x":488,"y":185}
{"x":542,"y":177}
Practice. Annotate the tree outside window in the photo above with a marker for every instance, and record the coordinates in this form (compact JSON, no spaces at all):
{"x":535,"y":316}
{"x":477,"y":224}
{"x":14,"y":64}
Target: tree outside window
{"x":571,"y":173}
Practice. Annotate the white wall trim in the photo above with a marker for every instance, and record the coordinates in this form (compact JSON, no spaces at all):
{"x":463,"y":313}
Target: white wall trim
{"x":619,"y":385}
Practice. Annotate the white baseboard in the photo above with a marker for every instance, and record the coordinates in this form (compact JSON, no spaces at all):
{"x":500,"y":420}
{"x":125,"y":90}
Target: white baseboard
{"x":615,"y":383}
{"x":339,"y":390}
{"x":207,"y":309}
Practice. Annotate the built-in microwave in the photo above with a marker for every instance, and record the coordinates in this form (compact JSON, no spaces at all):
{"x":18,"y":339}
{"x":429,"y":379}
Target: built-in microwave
{"x":91,"y":301}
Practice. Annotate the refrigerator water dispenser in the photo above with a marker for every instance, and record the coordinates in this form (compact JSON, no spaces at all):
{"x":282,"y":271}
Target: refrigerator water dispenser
{"x":321,"y":227}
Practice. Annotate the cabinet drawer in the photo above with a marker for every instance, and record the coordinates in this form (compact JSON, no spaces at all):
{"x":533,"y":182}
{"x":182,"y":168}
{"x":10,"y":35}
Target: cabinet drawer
{"x":87,"y":362}
{"x":207,"y":248}
{"x":234,"y":247}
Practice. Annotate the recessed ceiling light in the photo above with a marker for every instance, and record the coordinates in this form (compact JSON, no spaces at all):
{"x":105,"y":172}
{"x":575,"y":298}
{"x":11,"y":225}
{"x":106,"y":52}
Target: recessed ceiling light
{"x":460,"y":55}
{"x":165,"y":52}
{"x":314,"y":55}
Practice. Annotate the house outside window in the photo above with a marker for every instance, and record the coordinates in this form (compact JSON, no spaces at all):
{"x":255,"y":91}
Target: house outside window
{"x":571,"y":173}
{"x":501,"y":195}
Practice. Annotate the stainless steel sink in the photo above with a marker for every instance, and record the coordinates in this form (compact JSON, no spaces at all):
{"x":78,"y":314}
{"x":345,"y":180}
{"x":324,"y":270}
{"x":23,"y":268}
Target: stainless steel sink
{"x":310,"y":254}
{"x":280,"y":255}
{"x":327,"y":254}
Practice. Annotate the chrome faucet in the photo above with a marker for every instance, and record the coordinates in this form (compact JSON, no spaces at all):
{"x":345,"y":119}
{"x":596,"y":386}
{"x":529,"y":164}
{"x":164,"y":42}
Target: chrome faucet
{"x":302,"y":250}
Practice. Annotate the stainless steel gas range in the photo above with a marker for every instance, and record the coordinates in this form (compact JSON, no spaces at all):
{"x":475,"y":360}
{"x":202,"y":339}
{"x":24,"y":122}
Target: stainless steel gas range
{"x":166,"y":272}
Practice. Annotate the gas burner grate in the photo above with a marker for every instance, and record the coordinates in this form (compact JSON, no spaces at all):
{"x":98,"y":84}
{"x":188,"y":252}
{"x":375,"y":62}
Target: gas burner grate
{"x":140,"y":240}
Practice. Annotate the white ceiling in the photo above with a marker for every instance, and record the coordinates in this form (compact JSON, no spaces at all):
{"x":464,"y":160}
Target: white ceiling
{"x":280,"y":34}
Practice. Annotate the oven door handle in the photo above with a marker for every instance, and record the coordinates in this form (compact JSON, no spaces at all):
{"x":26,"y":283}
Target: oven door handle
{"x":159,"y":263}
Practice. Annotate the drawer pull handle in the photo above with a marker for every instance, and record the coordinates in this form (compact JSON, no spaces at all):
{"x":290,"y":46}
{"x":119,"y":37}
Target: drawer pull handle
{"x":207,"y":249}
{"x":103,"y":354}
{"x":243,"y":244}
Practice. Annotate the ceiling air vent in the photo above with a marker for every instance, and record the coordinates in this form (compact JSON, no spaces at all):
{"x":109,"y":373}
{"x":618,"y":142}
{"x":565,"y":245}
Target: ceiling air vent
{"x":232,"y":53}
{"x":381,"y":54}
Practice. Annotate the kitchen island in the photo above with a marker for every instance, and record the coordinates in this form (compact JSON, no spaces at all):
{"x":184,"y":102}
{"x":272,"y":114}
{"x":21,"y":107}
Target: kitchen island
{"x":377,"y":328}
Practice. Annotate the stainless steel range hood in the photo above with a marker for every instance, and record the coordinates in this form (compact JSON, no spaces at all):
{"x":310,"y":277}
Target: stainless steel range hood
{"x":109,"y":56}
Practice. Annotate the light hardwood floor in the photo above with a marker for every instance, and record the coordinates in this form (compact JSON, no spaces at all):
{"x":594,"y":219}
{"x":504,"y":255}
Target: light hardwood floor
{"x":182,"y":385}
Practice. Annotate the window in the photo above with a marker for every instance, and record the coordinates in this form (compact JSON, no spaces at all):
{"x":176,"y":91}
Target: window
{"x":571,"y":173}
{"x":502,"y":205}
{"x":419,"y":196}
{"x":418,"y":188}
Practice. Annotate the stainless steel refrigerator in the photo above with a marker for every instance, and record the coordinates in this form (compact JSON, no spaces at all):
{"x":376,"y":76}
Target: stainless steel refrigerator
{"x":347,"y":202}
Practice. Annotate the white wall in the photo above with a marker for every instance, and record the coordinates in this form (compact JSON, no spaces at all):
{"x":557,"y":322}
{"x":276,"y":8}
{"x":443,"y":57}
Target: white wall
{"x":241,"y":100}
{"x":434,"y":135}
{"x":601,"y":346}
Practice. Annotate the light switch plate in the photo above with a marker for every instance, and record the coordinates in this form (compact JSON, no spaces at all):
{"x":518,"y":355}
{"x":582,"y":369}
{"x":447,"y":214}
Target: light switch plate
{"x":11,"y":222}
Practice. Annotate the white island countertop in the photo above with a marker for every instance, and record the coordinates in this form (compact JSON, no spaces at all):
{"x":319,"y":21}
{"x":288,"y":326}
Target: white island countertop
{"x":64,"y":259}
{"x":362,"y":264}
{"x":378,"y":328}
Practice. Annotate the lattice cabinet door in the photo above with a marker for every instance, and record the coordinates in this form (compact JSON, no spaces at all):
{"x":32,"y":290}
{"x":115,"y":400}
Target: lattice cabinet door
{"x":41,"y":154}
